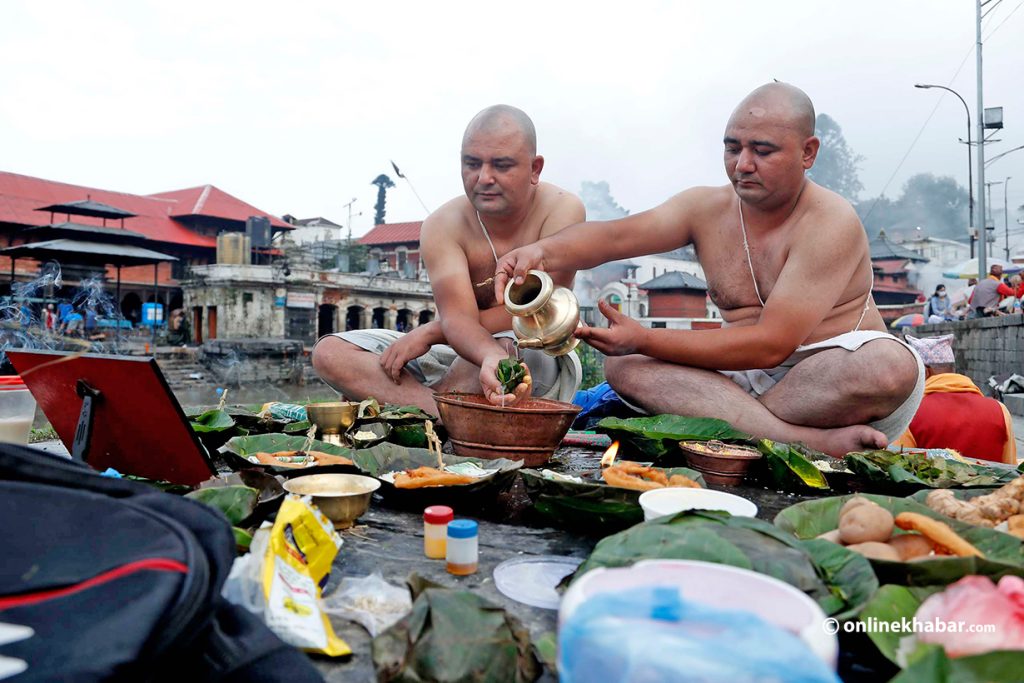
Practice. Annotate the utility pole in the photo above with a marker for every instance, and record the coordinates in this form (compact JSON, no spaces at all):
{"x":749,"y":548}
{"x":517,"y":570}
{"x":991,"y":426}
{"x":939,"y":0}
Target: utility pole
{"x":348,"y":244}
{"x":1006,"y":216}
{"x":982,"y":223}
{"x":988,"y":190}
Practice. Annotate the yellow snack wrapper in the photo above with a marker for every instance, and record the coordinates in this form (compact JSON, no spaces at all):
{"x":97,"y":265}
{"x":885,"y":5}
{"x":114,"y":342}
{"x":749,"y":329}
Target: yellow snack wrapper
{"x":303,"y":544}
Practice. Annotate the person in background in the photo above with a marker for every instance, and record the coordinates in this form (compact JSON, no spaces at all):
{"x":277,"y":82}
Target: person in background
{"x":954,"y":413}
{"x":73,"y":324}
{"x":937,"y":309}
{"x":64,"y":309}
{"x":961,"y":300}
{"x":989,"y":292}
{"x":49,"y":318}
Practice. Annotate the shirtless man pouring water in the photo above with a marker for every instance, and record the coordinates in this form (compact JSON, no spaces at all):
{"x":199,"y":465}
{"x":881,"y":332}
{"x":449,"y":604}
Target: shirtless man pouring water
{"x":803,"y":355}
{"x":505,"y":206}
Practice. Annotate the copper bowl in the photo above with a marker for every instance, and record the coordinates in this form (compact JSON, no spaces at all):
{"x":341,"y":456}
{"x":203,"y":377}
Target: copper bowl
{"x":529,"y":431}
{"x":720,"y":463}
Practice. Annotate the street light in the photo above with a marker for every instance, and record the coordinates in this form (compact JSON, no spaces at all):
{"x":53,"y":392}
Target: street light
{"x":970,"y":175}
{"x":1006,"y":217}
{"x":988,"y":190}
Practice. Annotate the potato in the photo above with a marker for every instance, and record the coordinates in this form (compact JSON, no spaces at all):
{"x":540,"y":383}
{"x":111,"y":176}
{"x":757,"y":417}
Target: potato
{"x":830,"y":536}
{"x":866,"y":523}
{"x":852,"y":503}
{"x":910,"y":546}
{"x":876,"y":551}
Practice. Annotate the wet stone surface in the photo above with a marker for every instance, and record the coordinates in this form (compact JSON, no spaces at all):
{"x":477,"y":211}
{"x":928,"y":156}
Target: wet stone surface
{"x":391,"y":542}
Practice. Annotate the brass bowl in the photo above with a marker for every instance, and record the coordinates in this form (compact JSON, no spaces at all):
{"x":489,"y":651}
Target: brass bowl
{"x":342,"y":497}
{"x":530,"y":430}
{"x":332,"y":418}
{"x":720,"y":463}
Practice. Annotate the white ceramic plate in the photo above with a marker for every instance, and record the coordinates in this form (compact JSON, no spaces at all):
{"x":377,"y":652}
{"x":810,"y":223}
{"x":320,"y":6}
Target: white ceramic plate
{"x":669,"y":501}
{"x":532,"y":580}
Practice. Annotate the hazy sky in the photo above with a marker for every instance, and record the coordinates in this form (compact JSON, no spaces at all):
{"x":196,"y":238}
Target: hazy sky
{"x":297,"y":109}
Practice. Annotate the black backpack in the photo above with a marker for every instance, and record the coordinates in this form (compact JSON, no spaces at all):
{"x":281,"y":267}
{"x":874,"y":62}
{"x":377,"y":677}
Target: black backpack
{"x":120,"y":581}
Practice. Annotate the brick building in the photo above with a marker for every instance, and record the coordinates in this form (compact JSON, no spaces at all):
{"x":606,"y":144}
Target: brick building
{"x":180,"y":223}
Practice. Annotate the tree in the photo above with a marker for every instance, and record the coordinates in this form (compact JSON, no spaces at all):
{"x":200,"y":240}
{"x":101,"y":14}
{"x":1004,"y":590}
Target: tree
{"x":936,"y":204}
{"x":597,"y":199}
{"x":837,"y":165}
{"x":383,"y":183}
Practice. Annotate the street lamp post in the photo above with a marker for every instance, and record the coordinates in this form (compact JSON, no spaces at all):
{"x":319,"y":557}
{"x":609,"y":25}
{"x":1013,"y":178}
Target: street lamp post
{"x":1006,"y":216}
{"x":988,"y":191}
{"x":970,"y":175}
{"x":348,"y":245}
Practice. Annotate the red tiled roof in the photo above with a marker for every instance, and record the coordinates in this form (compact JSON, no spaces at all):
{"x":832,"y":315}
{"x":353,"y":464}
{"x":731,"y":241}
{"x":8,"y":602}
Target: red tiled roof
{"x":393,"y":233}
{"x":207,"y":200}
{"x":885,"y":287}
{"x":21,"y":195}
{"x":890,"y":267}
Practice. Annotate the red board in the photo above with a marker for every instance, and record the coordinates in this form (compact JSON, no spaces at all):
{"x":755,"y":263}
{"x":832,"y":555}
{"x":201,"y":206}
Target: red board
{"x":138,"y":426}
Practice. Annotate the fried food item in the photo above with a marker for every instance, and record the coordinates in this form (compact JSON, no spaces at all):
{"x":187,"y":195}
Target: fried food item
{"x":422,"y":477}
{"x":1015,"y":526}
{"x":631,"y":475}
{"x":683,"y":482}
{"x":876,"y":551}
{"x":911,"y":546}
{"x":300,"y":459}
{"x":939,"y":533}
{"x":986,"y":511}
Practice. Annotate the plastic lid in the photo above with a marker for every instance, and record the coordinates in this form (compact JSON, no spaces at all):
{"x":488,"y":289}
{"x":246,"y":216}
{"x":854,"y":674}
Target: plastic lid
{"x":462,"y":528}
{"x":11,"y":382}
{"x":438,"y":514}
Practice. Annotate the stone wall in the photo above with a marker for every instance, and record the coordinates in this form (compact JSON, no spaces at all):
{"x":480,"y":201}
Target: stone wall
{"x":983,"y":346}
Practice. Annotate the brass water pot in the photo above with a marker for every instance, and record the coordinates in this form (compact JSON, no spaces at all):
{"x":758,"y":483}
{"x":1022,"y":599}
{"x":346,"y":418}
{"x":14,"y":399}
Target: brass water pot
{"x":544,"y":315}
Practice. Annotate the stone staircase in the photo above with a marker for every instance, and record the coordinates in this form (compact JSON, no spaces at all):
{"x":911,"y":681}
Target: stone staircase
{"x":182,"y":369}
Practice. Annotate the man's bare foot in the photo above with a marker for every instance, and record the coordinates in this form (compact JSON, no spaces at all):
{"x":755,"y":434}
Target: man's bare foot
{"x":839,"y":442}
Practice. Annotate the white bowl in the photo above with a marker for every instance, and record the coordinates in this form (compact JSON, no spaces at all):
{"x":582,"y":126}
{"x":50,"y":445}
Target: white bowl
{"x":716,"y":585}
{"x":669,"y":501}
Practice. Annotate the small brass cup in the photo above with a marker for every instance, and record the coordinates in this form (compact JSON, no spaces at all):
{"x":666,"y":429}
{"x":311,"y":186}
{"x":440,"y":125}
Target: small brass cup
{"x":332,"y":418}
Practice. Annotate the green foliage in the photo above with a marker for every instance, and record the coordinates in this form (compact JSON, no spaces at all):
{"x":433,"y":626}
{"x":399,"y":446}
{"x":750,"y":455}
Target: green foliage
{"x":789,"y":469}
{"x":659,"y":435}
{"x":908,"y":472}
{"x":837,"y":165}
{"x":236,"y":502}
{"x":510,"y":372}
{"x":744,"y":542}
{"x":938,"y":204}
{"x":592,"y":362}
{"x":591,"y":507}
{"x":1004,"y":554}
{"x":455,"y":635}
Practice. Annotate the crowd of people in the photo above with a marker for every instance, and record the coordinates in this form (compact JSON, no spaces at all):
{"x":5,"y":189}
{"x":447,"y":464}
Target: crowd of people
{"x":63,"y":319}
{"x":994,"y":296}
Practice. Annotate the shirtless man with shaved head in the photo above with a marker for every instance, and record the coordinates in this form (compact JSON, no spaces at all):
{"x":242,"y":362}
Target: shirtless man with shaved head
{"x":506,"y":206}
{"x":803,"y":354}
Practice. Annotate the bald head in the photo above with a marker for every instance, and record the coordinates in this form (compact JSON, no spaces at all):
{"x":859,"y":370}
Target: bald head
{"x":783,"y":104}
{"x":501,"y":118}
